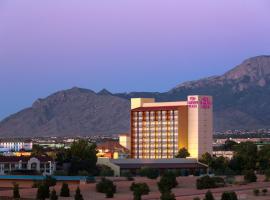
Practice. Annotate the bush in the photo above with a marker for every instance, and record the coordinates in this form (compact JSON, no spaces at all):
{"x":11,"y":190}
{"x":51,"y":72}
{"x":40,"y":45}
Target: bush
{"x":207,"y":182}
{"x":264,"y":191}
{"x":105,"y":170}
{"x":16,"y":192}
{"x":256,"y":192}
{"x":49,"y":181}
{"x":209,"y":196}
{"x":267,"y":175}
{"x":53,"y":195}
{"x":110,"y":192}
{"x":43,"y":192}
{"x":64,"y":190}
{"x":196,"y":198}
{"x":78,"y":195}
{"x":167,"y":196}
{"x":106,"y":186}
{"x":128,"y":176}
{"x":139,"y":189}
{"x":149,"y":172}
{"x":167,"y":182}
{"x":229,"y":196}
{"x":250,"y":176}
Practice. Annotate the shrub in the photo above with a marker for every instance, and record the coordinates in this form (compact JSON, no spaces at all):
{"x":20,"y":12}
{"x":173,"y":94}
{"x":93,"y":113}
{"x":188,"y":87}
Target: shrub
{"x":128,"y":176}
{"x":207,"y":182}
{"x":110,"y":192}
{"x":139,"y":189}
{"x":106,"y":186}
{"x":167,"y":182}
{"x":196,"y":198}
{"x":256,"y":192}
{"x":229,"y":196}
{"x":105,"y":171}
{"x":250,"y":176}
{"x":64,"y":190}
{"x":267,"y":175}
{"x":43,"y":192}
{"x":264,"y":191}
{"x":149,"y":172}
{"x":16,"y":192}
{"x":78,"y":195}
{"x":53,"y":195}
{"x":209,"y":196}
{"x":168,"y":195}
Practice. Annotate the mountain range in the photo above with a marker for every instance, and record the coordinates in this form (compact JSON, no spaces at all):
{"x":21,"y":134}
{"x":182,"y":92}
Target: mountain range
{"x":241,"y":101}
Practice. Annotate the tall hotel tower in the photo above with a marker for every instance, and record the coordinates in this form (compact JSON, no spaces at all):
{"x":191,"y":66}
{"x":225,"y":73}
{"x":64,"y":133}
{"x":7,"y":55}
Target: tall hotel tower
{"x":160,"y":129}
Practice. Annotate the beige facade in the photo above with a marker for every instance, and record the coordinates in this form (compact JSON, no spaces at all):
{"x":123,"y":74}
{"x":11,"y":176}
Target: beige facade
{"x":160,"y":129}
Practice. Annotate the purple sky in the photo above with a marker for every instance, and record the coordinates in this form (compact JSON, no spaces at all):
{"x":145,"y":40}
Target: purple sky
{"x":138,"y":45}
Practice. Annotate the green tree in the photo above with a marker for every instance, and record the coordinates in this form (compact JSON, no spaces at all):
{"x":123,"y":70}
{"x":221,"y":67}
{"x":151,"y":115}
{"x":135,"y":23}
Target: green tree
{"x":64,"y":190}
{"x":53,"y":195}
{"x":206,"y":159}
{"x":78,"y":195}
{"x":43,"y":192}
{"x":38,"y":150}
{"x":16,"y":192}
{"x":168,"y":195}
{"x":83,"y":157}
{"x":139,"y":189}
{"x":264,"y":158}
{"x":246,"y":154}
{"x":167,"y":182}
{"x":229,"y":145}
{"x":182,"y":153}
{"x":209,"y":196}
{"x":250,"y":176}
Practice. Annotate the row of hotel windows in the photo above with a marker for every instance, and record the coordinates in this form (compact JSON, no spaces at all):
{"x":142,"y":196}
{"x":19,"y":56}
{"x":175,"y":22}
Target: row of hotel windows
{"x":171,"y":112}
{"x":157,"y":129}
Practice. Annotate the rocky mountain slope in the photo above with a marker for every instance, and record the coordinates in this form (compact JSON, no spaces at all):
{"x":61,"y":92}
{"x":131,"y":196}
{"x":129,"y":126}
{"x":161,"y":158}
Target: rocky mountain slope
{"x":71,"y":112}
{"x":241,"y":100}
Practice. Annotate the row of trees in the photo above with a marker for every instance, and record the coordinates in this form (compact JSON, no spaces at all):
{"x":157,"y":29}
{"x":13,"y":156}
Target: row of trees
{"x":43,"y":192}
{"x":246,"y":157}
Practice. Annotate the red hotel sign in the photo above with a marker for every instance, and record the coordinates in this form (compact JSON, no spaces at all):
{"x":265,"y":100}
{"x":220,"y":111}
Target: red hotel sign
{"x":204,"y":102}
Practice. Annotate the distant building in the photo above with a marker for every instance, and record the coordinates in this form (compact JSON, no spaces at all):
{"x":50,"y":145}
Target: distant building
{"x":124,"y":140}
{"x":225,"y":154}
{"x":43,"y":165}
{"x":160,"y":129}
{"x":15,"y":145}
{"x":112,"y":149}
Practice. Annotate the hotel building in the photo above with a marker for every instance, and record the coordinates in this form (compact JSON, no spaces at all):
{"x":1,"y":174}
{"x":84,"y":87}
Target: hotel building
{"x":160,"y":129}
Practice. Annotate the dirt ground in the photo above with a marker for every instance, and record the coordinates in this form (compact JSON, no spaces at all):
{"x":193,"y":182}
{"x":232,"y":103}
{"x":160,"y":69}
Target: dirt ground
{"x":184,"y":191}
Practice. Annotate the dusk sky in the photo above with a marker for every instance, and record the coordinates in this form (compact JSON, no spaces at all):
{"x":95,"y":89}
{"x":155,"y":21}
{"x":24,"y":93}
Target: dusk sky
{"x":123,"y":46}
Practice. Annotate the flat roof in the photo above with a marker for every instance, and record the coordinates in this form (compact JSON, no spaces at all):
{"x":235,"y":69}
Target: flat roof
{"x":159,"y":163}
{"x":157,"y":108}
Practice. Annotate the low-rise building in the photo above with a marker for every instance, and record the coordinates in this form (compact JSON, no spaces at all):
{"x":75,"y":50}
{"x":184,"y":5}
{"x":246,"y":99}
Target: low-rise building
{"x":120,"y":166}
{"x":43,"y":164}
